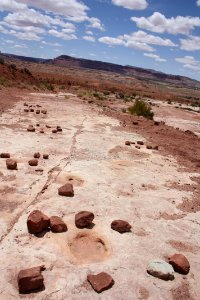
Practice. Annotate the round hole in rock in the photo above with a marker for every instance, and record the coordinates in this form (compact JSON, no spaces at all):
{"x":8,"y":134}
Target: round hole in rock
{"x":88,"y":248}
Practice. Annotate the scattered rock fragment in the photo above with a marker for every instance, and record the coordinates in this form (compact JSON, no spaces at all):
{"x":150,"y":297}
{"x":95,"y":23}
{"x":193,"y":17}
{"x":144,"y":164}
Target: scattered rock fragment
{"x":59,"y":129}
{"x":11,"y":164}
{"x":48,"y":126}
{"x":180,"y":263}
{"x":36,"y":155}
{"x":140,"y":143}
{"x":57,"y":224}
{"x":135,"y":123}
{"x":5,"y":155}
{"x":30,"y":279}
{"x":33,"y":162}
{"x":38,"y":124}
{"x":100,"y":282}
{"x":127,"y":143}
{"x":42,"y":131}
{"x":155,"y":147}
{"x":26,"y":110}
{"x":31,"y":110}
{"x":31,"y":128}
{"x":137,"y":147}
{"x":160,"y":269}
{"x":84,"y":219}
{"x":43,"y":111}
{"x":37,"y":112}
{"x":37,"y":222}
{"x":121,"y":226}
{"x":66,"y":190}
{"x":25,"y":104}
{"x":156,"y":123}
{"x":149,"y":147}
{"x":46,"y":156}
{"x":54,"y":131}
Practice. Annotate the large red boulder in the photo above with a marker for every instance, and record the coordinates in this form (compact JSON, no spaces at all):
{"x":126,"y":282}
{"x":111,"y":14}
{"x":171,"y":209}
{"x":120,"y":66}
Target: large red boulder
{"x":121,"y":226}
{"x":180,"y":263}
{"x":84,"y":219}
{"x":66,"y":190}
{"x":30,"y":279}
{"x":11,"y":164}
{"x":33,"y":162}
{"x":100,"y":282}
{"x":57,"y":224}
{"x":37,"y":222}
{"x":36,"y":155}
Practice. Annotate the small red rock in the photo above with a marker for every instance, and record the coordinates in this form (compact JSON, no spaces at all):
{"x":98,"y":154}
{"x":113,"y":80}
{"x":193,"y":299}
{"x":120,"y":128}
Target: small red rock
{"x":42,"y":131}
{"x":25,"y":104}
{"x":46,"y":156}
{"x":149,"y":147}
{"x":38,"y":124}
{"x":100,"y":282}
{"x":84,"y":219}
{"x":37,"y":222}
{"x":135,"y":123}
{"x":156,"y":123}
{"x":36,"y":155}
{"x":37,"y":111}
{"x":57,"y":224}
{"x":121,"y":226}
{"x":31,"y":110}
{"x":155,"y":147}
{"x":140,"y":143}
{"x":180,"y":263}
{"x":33,"y":162}
{"x":30,"y":279}
{"x":137,"y":147}
{"x":66,"y":190}
{"x":54,"y":131}
{"x":11,"y":164}
{"x":127,"y":143}
{"x":31,"y":128}
{"x":5,"y":155}
{"x":48,"y":126}
{"x":26,"y":110}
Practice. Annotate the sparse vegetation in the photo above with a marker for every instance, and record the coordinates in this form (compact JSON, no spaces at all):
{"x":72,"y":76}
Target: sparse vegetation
{"x":141,"y":108}
{"x":2,"y":62}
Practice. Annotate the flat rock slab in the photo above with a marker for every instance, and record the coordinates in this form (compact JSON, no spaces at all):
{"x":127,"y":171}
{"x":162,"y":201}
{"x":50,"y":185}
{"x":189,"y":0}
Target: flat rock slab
{"x":30,"y":280}
{"x":100,"y":282}
{"x":161,"y":269}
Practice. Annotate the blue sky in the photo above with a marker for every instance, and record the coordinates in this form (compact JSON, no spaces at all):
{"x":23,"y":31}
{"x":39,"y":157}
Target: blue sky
{"x":155,"y":34}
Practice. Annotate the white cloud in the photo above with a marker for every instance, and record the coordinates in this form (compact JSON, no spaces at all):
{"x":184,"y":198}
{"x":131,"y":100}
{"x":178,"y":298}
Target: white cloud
{"x":198,"y":3}
{"x":95,"y":23}
{"x":192,"y":43}
{"x":89,"y":38}
{"x":11,"y":5}
{"x":159,"y":23}
{"x":131,"y":4}
{"x":63,"y":34}
{"x":141,"y":36}
{"x":88,"y":32}
{"x":71,"y":9}
{"x":189,"y":62}
{"x":139,"y":40}
{"x":154,"y":56}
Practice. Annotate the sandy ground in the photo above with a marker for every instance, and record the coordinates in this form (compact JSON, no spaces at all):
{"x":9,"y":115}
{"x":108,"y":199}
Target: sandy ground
{"x":110,"y":179}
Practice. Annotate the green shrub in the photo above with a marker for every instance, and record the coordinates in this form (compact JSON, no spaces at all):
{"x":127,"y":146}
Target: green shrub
{"x":2,"y":62}
{"x":141,"y":108}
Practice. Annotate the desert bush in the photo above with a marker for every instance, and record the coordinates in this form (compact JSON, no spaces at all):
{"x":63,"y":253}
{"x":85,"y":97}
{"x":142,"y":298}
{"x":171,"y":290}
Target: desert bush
{"x":2,"y":62}
{"x":141,"y":108}
{"x":26,"y":71}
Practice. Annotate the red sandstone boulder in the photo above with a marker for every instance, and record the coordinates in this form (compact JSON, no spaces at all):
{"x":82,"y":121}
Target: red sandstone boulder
{"x":33,"y":162}
{"x":180,"y":263}
{"x":43,"y":111}
{"x":11,"y":164}
{"x":54,"y":131}
{"x":37,"y":111}
{"x":84,"y":219}
{"x":37,"y":222}
{"x":5,"y":155}
{"x":66,"y":190}
{"x":36,"y":155}
{"x":140,"y":143}
{"x":149,"y":147}
{"x":121,"y":226}
{"x":46,"y":156}
{"x":57,"y":224}
{"x":26,"y":110}
{"x":30,"y":279}
{"x":31,"y":110}
{"x":100,"y":282}
{"x":127,"y":143}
